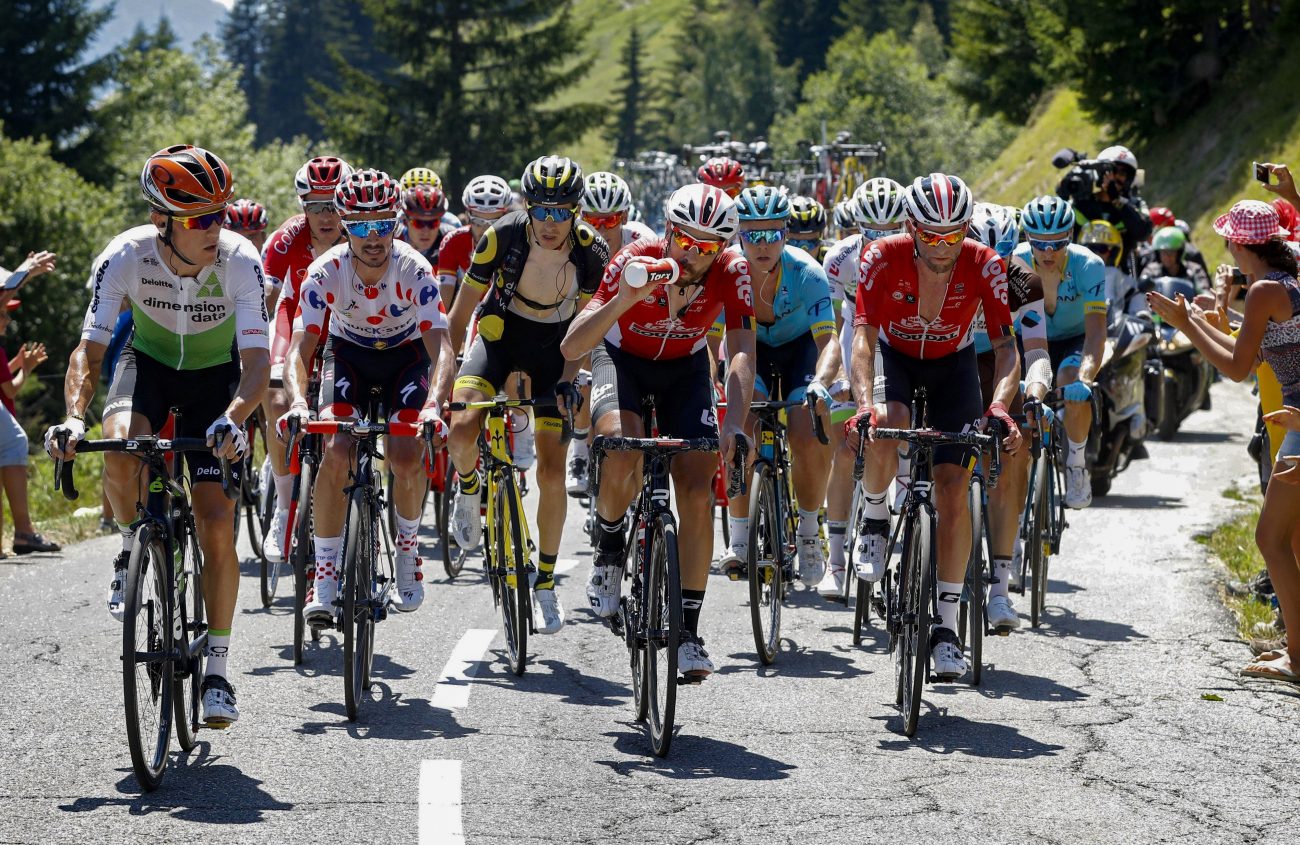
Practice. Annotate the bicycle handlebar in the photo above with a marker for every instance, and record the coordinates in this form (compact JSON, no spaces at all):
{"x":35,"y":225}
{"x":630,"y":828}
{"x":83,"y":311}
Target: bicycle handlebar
{"x":490,"y":403}
{"x":145,"y":445}
{"x":363,"y":428}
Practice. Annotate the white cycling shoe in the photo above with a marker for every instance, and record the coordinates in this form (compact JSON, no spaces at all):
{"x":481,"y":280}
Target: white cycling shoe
{"x":734,"y":562}
{"x":946,"y":657}
{"x":1002,"y":616}
{"x":1078,"y":488}
{"x":812,"y":566}
{"x":832,"y":584}
{"x":219,"y":710}
{"x":319,"y":608}
{"x":546,"y":604}
{"x":575,"y":476}
{"x":602,"y":589}
{"x":117,"y":589}
{"x":273,"y":542}
{"x":871,"y":551}
{"x":410,"y":583}
{"x":466,"y":523}
{"x":692,"y":660}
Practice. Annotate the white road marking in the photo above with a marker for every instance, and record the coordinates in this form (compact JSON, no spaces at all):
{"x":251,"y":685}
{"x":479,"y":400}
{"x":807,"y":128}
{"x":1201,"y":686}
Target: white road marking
{"x":440,"y":822}
{"x":453,"y":690}
{"x":564,"y":564}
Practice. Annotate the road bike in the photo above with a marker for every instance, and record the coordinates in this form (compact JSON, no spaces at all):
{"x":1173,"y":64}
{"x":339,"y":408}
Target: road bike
{"x":1043,"y":521}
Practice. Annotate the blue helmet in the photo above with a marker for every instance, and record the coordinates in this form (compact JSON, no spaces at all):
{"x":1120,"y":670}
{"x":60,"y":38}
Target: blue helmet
{"x":1047,"y":216}
{"x":762,"y":203}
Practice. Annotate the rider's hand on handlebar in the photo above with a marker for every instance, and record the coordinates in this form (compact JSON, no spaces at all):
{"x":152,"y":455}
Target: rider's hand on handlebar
{"x":1012,"y":441}
{"x":432,"y":416}
{"x":818,"y":392}
{"x":75,"y":429}
{"x":727,"y":438}
{"x":1077,"y":391}
{"x":851,"y":427}
{"x":235,"y":444}
{"x":301,"y":413}
{"x":568,"y":396}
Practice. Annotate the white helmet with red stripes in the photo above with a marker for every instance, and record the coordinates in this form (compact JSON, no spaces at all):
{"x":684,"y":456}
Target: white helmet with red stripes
{"x":704,"y":208}
{"x":940,"y":200}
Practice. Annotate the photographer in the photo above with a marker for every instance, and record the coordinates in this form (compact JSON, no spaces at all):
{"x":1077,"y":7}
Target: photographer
{"x":1102,"y":189}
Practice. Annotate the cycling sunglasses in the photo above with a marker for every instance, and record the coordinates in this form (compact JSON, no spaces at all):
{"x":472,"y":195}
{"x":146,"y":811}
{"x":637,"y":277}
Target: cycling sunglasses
{"x":366,"y":228}
{"x":688,"y":243}
{"x":482,"y":221}
{"x":806,"y":244}
{"x":929,"y":238}
{"x":1049,"y":246}
{"x":542,"y":213}
{"x":603,"y":221}
{"x":762,"y":236}
{"x":877,"y":234}
{"x":318,"y":207}
{"x":201,"y":221}
{"x":424,"y":222}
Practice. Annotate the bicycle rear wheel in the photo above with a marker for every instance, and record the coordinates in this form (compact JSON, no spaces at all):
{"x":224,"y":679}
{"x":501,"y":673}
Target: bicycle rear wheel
{"x":147,"y":671}
{"x":357,"y":589}
{"x":302,"y":556}
{"x":663,"y":623}
{"x":970,"y":624}
{"x":917,"y":590}
{"x":272,"y":573}
{"x":766,"y":563}
{"x":190,"y":619}
{"x":1037,"y":541}
{"x":634,"y":633}
{"x":512,"y":568}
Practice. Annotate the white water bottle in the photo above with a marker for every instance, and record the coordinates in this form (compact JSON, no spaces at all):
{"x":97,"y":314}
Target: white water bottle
{"x":663,"y":271}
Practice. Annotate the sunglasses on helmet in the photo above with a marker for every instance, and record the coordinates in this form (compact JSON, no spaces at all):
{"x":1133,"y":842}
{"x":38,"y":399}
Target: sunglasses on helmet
{"x":929,"y":238}
{"x":688,"y":243}
{"x":1049,"y":246}
{"x":200,"y":221}
{"x":763,"y":236}
{"x":318,"y":206}
{"x":542,"y":213}
{"x":365,"y":228}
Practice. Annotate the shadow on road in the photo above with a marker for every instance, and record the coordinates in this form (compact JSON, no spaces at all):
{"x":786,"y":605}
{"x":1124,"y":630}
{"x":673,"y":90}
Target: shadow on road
{"x":199,"y":788}
{"x":389,"y":715}
{"x":1060,"y":622}
{"x":941,"y":733}
{"x":1004,"y":683}
{"x":325,"y":658}
{"x":566,"y":682}
{"x":1207,"y":437}
{"x":1137,"y":501}
{"x":694,"y":758}
{"x":795,"y":661}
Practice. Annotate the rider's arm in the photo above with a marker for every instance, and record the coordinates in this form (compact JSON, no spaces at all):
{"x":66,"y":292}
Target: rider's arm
{"x":83,"y":373}
{"x":1031,"y":322}
{"x":612,"y":300}
{"x":254,"y":375}
{"x":312,"y":311}
{"x":483,"y":268}
{"x":433,"y":333}
{"x":248,"y":288}
{"x":1006,"y":370}
{"x":1092,"y":286}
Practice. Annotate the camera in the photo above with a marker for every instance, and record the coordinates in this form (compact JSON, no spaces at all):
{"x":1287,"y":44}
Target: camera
{"x":1086,"y":179}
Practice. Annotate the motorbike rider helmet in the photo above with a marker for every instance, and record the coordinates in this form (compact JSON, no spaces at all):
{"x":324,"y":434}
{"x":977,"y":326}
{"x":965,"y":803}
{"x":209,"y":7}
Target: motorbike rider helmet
{"x":1104,"y":239}
{"x":1170,"y":237}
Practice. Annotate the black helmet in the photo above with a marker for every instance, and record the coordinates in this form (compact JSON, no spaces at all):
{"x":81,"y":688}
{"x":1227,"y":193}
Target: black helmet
{"x":553,"y":180}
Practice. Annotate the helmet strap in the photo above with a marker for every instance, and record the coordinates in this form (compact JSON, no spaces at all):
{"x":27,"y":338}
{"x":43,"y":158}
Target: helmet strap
{"x":166,"y":238}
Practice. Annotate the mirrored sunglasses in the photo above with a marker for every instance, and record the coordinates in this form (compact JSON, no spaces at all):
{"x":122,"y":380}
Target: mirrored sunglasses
{"x":929,"y":238}
{"x":763,"y":236}
{"x":688,"y":243}
{"x":366,"y":228}
{"x":201,"y":221}
{"x":542,"y":213}
{"x":1049,"y":246}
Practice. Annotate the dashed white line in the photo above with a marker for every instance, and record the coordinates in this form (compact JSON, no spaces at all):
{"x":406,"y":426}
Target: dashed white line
{"x":453,"y":690}
{"x":440,"y":800}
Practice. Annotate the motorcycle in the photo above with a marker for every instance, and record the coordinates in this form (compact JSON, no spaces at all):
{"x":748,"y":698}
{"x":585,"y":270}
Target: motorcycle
{"x":1119,"y":420}
{"x":1184,"y":373}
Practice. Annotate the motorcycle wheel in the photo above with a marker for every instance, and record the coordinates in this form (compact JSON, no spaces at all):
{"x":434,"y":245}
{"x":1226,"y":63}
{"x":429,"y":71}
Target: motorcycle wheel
{"x":1169,"y":412}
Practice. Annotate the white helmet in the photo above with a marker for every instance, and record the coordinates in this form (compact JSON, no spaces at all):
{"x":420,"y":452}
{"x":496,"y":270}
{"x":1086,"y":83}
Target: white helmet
{"x":486,"y":194}
{"x":995,"y":226}
{"x":939,"y":200}
{"x":704,"y":208}
{"x":843,"y":214}
{"x":1119,"y":155}
{"x":879,"y":202}
{"x":605,"y":193}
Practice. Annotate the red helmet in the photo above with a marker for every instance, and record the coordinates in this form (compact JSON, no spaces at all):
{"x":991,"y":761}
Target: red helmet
{"x":183,"y":179}
{"x":1286,"y":214}
{"x":321,"y":175}
{"x":246,"y":216}
{"x":367,"y":190}
{"x":424,"y":201}
{"x":722,"y":173}
{"x":1161,"y":217}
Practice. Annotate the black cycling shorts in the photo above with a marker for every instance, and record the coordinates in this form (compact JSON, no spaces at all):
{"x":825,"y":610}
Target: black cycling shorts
{"x":145,"y":386}
{"x":682,"y":389}
{"x":525,"y":345}
{"x":952,"y":389}
{"x":1062,"y":348}
{"x":356,"y":380}
{"x":793,"y":365}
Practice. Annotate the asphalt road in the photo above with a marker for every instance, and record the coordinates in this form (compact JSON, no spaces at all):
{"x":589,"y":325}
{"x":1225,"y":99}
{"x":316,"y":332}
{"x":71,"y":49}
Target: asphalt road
{"x":1091,"y":729}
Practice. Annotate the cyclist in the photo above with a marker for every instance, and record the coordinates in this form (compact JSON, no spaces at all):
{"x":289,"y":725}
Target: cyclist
{"x":1104,"y":241}
{"x":386,"y":330}
{"x":426,"y":225}
{"x":420,"y":176}
{"x":197,"y":294}
{"x":844,"y":218}
{"x":541,"y":265}
{"x":248,"y":218}
{"x":654,"y":342}
{"x":606,"y":204}
{"x":1074,"y":293}
{"x":1167,"y":258}
{"x":486,"y":200}
{"x":995,"y":226}
{"x":807,"y":226}
{"x":288,"y":253}
{"x":723,"y":173}
{"x":879,"y":210}
{"x":918,"y":294}
{"x":795,"y":345}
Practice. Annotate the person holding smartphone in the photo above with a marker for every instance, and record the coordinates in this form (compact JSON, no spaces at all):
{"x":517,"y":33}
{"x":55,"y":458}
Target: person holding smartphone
{"x":1270,"y":330}
{"x":36,"y":264}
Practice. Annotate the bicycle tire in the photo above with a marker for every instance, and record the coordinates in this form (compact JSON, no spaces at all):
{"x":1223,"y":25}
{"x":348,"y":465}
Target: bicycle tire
{"x":453,"y":559}
{"x":723,"y":515}
{"x":148,"y":706}
{"x":919,"y":594}
{"x":511,"y":564}
{"x":850,"y":570}
{"x":633,"y":632}
{"x":272,"y":573}
{"x":970,"y":626}
{"x":191,"y":617}
{"x":766,"y":563}
{"x":1037,"y":541}
{"x":663,"y":619}
{"x":250,"y":501}
{"x":356,"y":590}
{"x":302,"y":554}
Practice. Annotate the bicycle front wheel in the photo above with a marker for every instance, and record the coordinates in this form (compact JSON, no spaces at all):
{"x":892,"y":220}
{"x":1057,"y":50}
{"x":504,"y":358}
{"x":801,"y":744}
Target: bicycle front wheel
{"x":190,"y":616}
{"x":268,"y":502}
{"x":1036,"y":543}
{"x":512,"y":568}
{"x":302,"y":556}
{"x":917,"y":590}
{"x":970,"y":623}
{"x":663,"y":628}
{"x":766,"y":563}
{"x":356,"y":588}
{"x":147,"y":670}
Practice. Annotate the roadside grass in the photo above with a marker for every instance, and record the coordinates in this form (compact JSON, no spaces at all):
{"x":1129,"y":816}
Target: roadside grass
{"x":55,"y":516}
{"x":1233,"y":544}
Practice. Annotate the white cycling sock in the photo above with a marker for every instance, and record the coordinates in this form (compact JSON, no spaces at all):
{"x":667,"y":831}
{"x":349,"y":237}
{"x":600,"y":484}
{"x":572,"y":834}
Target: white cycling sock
{"x":283,"y":489}
{"x":807,"y":523}
{"x":837,"y":529}
{"x":1075,"y":458}
{"x":949,"y":604}
{"x":327,"y":556}
{"x":739,"y":531}
{"x":407,"y":529}
{"x":216,"y":652}
{"x":1002,"y":572}
{"x":873,"y":506}
{"x":128,"y":536}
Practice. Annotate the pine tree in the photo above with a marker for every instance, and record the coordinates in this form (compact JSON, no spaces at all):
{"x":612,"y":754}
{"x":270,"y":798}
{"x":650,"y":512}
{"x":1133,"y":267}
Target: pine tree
{"x":630,"y":117}
{"x":243,"y":45}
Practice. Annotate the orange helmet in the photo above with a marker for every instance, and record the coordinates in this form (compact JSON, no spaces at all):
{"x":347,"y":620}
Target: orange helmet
{"x":182,"y":179}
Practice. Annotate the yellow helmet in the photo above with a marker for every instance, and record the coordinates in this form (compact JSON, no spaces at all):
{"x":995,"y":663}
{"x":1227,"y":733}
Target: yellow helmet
{"x":420,"y":176}
{"x":1101,"y":233}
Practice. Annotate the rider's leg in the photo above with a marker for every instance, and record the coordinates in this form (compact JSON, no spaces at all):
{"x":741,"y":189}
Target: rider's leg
{"x":952,"y":506}
{"x":552,"y":504}
{"x":692,"y":474}
{"x":1005,"y":503}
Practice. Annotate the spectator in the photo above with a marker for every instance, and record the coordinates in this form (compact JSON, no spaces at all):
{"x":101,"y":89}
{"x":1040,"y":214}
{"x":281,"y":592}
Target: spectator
{"x":1290,"y":219}
{"x":13,"y":440}
{"x":1270,"y":330}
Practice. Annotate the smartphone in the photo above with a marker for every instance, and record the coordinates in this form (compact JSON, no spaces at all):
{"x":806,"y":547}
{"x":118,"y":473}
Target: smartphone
{"x":1262,"y":173}
{"x":1238,"y":277}
{"x":15,"y":280}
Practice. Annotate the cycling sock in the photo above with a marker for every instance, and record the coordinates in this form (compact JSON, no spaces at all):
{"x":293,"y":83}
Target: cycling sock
{"x":545,"y":571}
{"x":128,"y":536}
{"x":739,"y":526}
{"x":216,"y":651}
{"x":1076,"y":455}
{"x":807,"y":523}
{"x":468,"y":483}
{"x":1002,"y":572}
{"x":327,"y":556}
{"x":837,"y":528}
{"x":692,"y":601}
{"x":283,"y":490}
{"x":949,"y":604}
{"x":580,"y":440}
{"x":611,"y":537}
{"x":873,"y":506}
{"x":407,"y":529}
